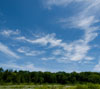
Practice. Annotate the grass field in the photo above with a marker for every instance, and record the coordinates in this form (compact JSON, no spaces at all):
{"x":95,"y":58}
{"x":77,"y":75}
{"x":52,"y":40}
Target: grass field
{"x":34,"y":87}
{"x":89,"y":86}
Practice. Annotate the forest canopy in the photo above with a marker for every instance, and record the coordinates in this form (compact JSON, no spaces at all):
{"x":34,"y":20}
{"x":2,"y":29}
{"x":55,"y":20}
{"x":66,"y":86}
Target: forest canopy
{"x":18,"y":77}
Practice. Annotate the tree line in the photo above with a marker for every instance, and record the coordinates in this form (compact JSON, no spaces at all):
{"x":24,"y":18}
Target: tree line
{"x":18,"y":77}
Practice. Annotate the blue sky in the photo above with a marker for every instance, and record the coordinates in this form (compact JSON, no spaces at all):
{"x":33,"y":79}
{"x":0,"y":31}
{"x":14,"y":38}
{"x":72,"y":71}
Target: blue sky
{"x":50,"y":35}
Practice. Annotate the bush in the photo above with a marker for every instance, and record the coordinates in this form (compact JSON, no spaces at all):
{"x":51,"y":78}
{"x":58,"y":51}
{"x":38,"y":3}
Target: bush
{"x":82,"y":87}
{"x":93,"y":86}
{"x":88,"y":86}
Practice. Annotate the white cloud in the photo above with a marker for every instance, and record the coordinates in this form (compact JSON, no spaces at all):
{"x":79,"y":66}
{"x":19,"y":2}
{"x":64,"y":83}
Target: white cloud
{"x":4,"y":49}
{"x":92,"y":7}
{"x":84,"y":20}
{"x":89,"y":58}
{"x":74,"y":51}
{"x":79,"y":52}
{"x":28,"y":52}
{"x":9,"y":32}
{"x":26,"y":67}
{"x":45,"y":40}
{"x":48,"y":39}
{"x":57,"y":52}
{"x":48,"y":58}
{"x":50,"y":3}
{"x":23,"y":49}
{"x":97,"y":67}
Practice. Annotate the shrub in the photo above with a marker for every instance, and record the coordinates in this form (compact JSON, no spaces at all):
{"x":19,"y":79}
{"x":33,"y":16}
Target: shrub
{"x":82,"y":87}
{"x":93,"y":86}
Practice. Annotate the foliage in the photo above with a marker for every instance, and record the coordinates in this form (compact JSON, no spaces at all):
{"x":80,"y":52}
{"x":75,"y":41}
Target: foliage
{"x":87,"y":86}
{"x":22,"y":77}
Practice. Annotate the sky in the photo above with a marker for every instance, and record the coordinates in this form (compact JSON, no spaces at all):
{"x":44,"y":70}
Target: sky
{"x":50,"y":35}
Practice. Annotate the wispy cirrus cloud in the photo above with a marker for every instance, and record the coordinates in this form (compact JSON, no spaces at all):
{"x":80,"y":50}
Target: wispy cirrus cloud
{"x":78,"y":49}
{"x":44,"y":40}
{"x":50,"y":3}
{"x":74,"y":51}
{"x":8,"y":32}
{"x":27,"y":67}
{"x":4,"y":49}
{"x":28,"y":52}
{"x":97,"y":67}
{"x":85,"y":20}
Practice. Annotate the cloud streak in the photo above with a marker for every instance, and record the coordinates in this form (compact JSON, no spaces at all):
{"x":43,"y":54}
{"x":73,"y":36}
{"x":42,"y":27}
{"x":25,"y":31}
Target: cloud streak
{"x":84,"y":20}
{"x":26,"y":67}
{"x":28,"y":52}
{"x":74,"y":51}
{"x":4,"y":49}
{"x":50,"y":3}
{"x":9,"y":33}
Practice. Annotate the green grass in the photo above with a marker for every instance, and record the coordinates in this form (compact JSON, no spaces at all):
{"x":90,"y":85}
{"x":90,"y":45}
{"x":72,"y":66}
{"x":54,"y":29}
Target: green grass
{"x":33,"y":87}
{"x":87,"y":86}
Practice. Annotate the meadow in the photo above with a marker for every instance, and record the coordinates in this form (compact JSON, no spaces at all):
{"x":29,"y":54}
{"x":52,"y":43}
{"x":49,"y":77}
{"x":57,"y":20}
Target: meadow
{"x":87,"y":86}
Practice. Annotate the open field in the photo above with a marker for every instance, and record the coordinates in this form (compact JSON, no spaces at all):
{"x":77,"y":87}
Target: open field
{"x":90,"y":86}
{"x":34,"y":87}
